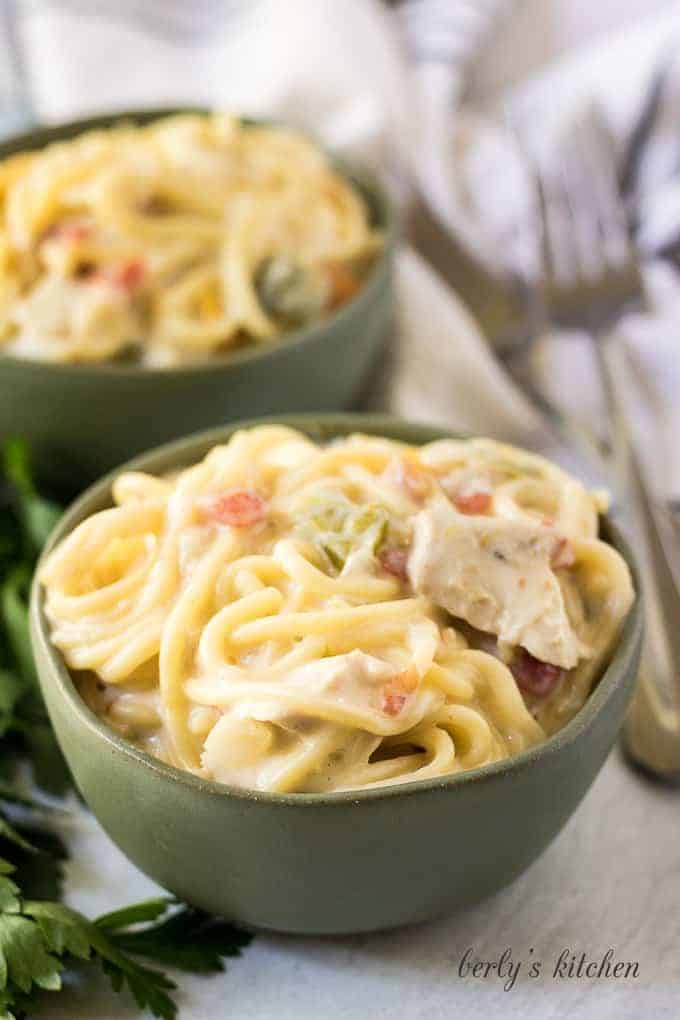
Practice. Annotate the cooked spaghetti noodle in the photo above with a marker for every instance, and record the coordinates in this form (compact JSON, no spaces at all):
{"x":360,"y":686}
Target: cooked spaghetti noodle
{"x":291,"y":617}
{"x":173,"y":242}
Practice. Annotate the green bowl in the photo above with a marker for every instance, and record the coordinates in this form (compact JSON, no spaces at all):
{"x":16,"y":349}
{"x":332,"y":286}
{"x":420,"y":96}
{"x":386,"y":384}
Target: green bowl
{"x":82,"y":420}
{"x":329,"y":863}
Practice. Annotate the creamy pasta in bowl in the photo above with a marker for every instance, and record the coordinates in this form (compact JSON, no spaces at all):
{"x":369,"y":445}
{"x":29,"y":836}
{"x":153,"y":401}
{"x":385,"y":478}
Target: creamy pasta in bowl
{"x":293,"y":617}
{"x":163,"y":272}
{"x":297,"y":684}
{"x":172,"y":241}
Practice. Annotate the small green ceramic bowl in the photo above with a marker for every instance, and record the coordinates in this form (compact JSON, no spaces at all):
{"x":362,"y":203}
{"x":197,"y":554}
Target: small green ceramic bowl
{"x":329,"y":863}
{"x":82,"y":420}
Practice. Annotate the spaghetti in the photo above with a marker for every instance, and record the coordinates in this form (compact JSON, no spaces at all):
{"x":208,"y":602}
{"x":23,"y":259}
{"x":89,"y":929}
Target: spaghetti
{"x":291,"y":617}
{"x":173,"y":242}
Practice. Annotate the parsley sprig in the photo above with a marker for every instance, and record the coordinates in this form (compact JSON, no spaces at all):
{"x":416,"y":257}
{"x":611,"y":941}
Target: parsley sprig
{"x":26,"y":519}
{"x":40,"y":937}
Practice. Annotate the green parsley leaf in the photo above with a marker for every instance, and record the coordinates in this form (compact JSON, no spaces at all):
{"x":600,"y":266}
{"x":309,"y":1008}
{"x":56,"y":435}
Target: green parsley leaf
{"x":9,"y":890}
{"x":50,"y":771}
{"x":8,"y":832}
{"x":25,"y":959}
{"x":38,"y":871}
{"x":11,"y":690}
{"x":189,"y":940}
{"x":147,"y":910}
{"x":65,"y":930}
{"x":25,"y":522}
{"x":37,"y":516}
{"x":14,"y":614}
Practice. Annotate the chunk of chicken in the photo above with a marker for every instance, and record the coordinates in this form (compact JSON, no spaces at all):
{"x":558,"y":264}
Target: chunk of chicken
{"x":497,"y":575}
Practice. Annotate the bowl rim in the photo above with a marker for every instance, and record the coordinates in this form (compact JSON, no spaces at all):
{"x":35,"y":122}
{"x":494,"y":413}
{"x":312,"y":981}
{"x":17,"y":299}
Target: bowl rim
{"x":358,"y":175}
{"x":184,"y":451}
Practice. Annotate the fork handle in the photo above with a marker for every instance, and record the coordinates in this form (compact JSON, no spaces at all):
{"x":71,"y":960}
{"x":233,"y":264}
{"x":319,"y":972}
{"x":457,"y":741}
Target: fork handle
{"x":652,"y":729}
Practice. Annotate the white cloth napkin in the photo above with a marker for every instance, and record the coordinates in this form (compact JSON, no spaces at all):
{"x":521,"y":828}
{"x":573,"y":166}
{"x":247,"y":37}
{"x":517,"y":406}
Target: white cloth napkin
{"x":477,"y":187}
{"x":384,"y":88}
{"x":333,"y":68}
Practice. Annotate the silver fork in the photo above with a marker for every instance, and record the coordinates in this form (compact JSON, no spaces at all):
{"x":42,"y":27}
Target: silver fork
{"x":590,"y":275}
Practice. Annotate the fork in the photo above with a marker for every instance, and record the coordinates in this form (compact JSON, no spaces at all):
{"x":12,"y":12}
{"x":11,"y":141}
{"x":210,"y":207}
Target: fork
{"x":589,"y":276}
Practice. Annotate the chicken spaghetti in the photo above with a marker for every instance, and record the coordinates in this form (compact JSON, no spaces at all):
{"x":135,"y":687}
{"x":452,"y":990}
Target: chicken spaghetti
{"x":291,"y":617}
{"x":172,"y":242}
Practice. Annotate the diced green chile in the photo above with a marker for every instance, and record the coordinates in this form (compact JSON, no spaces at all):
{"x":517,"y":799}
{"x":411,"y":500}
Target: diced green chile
{"x":337,"y":527}
{"x":288,"y":292}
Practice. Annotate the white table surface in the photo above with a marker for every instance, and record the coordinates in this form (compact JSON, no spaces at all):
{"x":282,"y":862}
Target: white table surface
{"x":610,"y":880}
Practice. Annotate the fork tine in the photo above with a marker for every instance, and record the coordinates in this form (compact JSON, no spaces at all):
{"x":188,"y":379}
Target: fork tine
{"x":561,"y":254}
{"x":597,"y":151}
{"x":587,"y":258}
{"x":582,"y":216}
{"x":558,"y":253}
{"x":545,"y":267}
{"x":532,"y":223}
{"x":604,"y":264}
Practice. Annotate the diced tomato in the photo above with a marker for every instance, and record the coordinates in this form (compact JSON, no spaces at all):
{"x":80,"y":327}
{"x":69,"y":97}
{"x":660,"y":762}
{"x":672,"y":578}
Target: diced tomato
{"x":342,"y":283}
{"x":396,"y":691}
{"x":129,"y":274}
{"x":393,"y":702}
{"x":394,"y":560}
{"x":563,"y":554}
{"x":239,"y":509}
{"x":474,"y":502}
{"x":533,"y":676}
